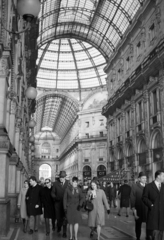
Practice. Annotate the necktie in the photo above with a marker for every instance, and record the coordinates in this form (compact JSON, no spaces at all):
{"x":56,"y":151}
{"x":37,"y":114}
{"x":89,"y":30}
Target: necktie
{"x":159,"y":186}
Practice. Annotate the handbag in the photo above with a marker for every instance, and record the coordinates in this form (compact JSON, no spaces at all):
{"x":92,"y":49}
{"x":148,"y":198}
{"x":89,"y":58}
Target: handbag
{"x":88,"y":206}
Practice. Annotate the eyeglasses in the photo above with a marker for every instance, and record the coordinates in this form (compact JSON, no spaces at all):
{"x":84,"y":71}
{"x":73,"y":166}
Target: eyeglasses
{"x":47,"y":182}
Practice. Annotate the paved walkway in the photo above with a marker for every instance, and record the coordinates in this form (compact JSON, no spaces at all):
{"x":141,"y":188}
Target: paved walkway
{"x":117,"y":228}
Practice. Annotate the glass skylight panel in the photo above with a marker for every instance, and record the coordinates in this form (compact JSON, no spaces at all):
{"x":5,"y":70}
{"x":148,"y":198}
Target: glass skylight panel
{"x":88,"y":84}
{"x":46,"y":84}
{"x":67,"y":84}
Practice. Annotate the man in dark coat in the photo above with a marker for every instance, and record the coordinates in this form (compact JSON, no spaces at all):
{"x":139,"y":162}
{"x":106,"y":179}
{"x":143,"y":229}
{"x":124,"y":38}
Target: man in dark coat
{"x":124,"y":192}
{"x":112,"y":195}
{"x":57,"y":194}
{"x":48,"y":205}
{"x":137,"y":205}
{"x":34,"y":206}
{"x":153,"y":198}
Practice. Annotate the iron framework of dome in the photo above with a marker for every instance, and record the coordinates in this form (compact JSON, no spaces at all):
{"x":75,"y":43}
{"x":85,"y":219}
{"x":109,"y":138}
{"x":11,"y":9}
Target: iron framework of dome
{"x":70,"y":64}
{"x":100,"y":23}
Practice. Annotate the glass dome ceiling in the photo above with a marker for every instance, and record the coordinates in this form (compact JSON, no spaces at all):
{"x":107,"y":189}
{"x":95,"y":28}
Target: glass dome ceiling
{"x":70,"y":64}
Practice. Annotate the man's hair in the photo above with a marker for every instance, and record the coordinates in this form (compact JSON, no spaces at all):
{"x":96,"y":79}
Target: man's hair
{"x":33,"y":178}
{"x":158,"y":172}
{"x":74,"y":179}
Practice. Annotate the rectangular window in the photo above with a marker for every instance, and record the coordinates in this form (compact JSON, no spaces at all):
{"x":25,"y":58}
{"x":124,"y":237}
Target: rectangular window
{"x":152,"y":32}
{"x":100,"y":159}
{"x":140,"y":112}
{"x":87,"y":124}
{"x":127,"y":63}
{"x":118,"y":126}
{"x":86,"y":160}
{"x":155,"y":108}
{"x":128,"y":119}
{"x":101,"y":122}
{"x":101,"y":134}
{"x":138,"y":48}
{"x":87,"y":135}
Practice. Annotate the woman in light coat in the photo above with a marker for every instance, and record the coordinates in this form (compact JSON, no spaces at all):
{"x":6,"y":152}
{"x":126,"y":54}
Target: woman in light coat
{"x":22,"y":205}
{"x":96,"y":217}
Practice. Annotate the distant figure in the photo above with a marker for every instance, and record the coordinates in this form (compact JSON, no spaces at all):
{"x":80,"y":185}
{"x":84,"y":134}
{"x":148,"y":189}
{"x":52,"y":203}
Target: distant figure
{"x":41,"y":182}
{"x":153,"y":198}
{"x":112,"y":195}
{"x":22,"y":205}
{"x":104,"y":187}
{"x":124,"y":192}
{"x":137,"y":205}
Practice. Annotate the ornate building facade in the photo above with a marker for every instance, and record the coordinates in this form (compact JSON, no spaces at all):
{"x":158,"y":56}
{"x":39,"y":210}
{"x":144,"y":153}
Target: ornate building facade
{"x":135,"y":82}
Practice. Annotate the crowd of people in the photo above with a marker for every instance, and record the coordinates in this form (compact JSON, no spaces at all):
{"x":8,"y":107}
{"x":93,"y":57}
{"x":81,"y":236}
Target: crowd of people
{"x":61,"y":202}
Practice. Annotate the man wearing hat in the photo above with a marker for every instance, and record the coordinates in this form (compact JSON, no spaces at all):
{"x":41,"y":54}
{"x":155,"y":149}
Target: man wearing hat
{"x":57,"y":194}
{"x":137,"y":205}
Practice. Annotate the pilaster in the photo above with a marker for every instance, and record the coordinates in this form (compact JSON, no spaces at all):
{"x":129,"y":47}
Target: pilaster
{"x":12,"y":184}
{"x":5,"y":153}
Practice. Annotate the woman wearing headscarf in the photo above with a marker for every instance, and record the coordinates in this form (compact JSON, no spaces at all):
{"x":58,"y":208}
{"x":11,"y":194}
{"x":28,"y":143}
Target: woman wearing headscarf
{"x":22,"y":205}
{"x":73,"y":201}
{"x":96,"y":217}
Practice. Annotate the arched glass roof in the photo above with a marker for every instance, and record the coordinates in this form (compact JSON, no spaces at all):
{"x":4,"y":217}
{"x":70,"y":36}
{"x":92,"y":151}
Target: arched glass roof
{"x":70,"y":64}
{"x":102,"y":23}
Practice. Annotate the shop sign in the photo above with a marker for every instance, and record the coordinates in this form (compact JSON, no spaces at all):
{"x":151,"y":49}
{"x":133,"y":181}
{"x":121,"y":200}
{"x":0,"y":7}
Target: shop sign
{"x":101,"y":173}
{"x":87,"y":174}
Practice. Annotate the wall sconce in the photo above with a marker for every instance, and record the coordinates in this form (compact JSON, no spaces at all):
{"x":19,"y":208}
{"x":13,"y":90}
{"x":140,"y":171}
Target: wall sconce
{"x":28,"y":9}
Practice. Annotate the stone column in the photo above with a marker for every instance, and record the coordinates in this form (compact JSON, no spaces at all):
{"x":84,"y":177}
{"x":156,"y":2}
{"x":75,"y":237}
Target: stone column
{"x":5,"y":146}
{"x":12,"y":184}
{"x":13,"y":109}
{"x":18,"y":177}
{"x":5,"y":153}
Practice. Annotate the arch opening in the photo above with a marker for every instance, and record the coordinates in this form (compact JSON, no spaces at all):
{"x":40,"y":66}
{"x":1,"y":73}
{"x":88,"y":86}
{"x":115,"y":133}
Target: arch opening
{"x":45,"y":171}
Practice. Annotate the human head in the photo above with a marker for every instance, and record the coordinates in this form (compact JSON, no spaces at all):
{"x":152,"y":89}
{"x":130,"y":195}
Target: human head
{"x":159,"y":176}
{"x":142,"y":177}
{"x":104,"y":184}
{"x":125,"y":181}
{"x":26,"y":184}
{"x":111,"y":184}
{"x":32,"y":180}
{"x":42,"y":180}
{"x":48,"y":182}
{"x":94,"y":184}
{"x":74,"y":182}
{"x":62,"y":176}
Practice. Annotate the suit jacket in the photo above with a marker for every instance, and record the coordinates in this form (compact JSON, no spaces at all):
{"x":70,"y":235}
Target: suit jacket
{"x":125,"y":190}
{"x":152,"y":196}
{"x":136,"y":201}
{"x":58,"y":191}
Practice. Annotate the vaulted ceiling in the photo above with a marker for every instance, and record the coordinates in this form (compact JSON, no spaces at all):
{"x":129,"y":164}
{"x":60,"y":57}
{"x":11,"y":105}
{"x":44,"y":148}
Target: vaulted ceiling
{"x":76,"y":40}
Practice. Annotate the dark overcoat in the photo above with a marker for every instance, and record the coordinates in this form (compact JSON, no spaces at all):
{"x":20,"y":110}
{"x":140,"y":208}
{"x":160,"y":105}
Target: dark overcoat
{"x":33,"y":198}
{"x":152,"y":196}
{"x":124,"y":191}
{"x":112,"y":193}
{"x":47,"y":203}
{"x":136,"y":201}
{"x":57,"y":194}
{"x":71,"y":202}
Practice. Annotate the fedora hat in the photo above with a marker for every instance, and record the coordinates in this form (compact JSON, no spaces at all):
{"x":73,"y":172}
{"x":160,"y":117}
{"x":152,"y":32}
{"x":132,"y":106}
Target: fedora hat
{"x":142,"y":174}
{"x":62,"y":174}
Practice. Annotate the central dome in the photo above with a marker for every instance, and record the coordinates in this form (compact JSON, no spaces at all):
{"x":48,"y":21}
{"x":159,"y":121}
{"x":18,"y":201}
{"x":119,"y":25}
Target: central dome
{"x":70,"y":64}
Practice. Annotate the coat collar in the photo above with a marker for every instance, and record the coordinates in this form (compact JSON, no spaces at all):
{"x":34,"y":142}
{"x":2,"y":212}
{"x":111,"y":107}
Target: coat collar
{"x":155,"y":187}
{"x":139,"y":185}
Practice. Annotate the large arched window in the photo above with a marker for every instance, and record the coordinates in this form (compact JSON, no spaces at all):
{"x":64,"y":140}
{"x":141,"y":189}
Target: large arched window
{"x":45,"y":171}
{"x":46,"y":150}
{"x":142,"y":152}
{"x":87,"y":172}
{"x":101,"y":171}
{"x":157,"y":147}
